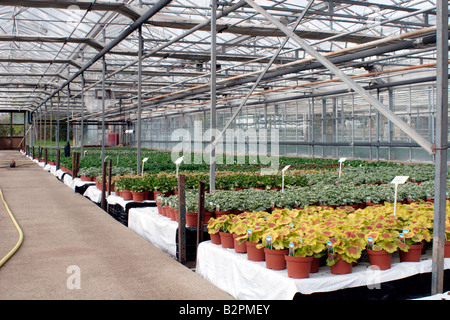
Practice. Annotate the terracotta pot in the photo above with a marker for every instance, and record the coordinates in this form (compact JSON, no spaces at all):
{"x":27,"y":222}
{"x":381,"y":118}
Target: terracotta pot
{"x":173,"y":213}
{"x":447,"y":249}
{"x":275,"y":258}
{"x":341,"y":267}
{"x":239,"y":248}
{"x":413,"y":254}
{"x":226,"y":240}
{"x":138,"y":196}
{"x":253,"y":253}
{"x":315,"y":264}
{"x":298,"y":267}
{"x":126,"y":195}
{"x":166,"y":211}
{"x":118,"y":193}
{"x":191,"y":219}
{"x":86,"y":178}
{"x":380,"y":259}
{"x":221,"y":213}
{"x":215,"y":238}
{"x":148,"y":195}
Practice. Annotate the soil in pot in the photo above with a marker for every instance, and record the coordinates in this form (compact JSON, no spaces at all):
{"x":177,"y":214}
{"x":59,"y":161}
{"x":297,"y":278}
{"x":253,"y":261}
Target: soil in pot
{"x":413,"y":254}
{"x":253,"y":253}
{"x":226,"y":240}
{"x":298,"y":267}
{"x":275,"y":258}
{"x":380,"y":259}
{"x":239,"y":248}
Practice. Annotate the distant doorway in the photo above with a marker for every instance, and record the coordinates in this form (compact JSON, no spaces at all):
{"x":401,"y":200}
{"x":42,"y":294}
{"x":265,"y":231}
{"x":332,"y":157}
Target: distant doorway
{"x":12,"y":129}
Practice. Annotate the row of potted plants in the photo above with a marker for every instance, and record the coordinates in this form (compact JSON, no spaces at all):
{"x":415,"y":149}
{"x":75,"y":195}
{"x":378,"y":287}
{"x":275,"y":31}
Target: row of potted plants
{"x":341,"y":235}
{"x":226,"y":201}
{"x":168,"y":182}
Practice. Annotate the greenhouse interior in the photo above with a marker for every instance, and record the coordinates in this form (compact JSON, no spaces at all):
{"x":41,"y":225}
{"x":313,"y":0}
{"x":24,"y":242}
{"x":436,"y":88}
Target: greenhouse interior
{"x":314,"y":128}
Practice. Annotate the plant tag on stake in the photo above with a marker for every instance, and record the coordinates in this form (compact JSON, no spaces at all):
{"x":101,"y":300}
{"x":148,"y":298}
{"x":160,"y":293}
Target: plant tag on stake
{"x":401,"y":236}
{"x":249,"y":233}
{"x":330,"y":247}
{"x":282,"y":177}
{"x":178,"y":162}
{"x":396,"y":181}
{"x":143,"y":161}
{"x":291,"y":248}
{"x":341,"y":160}
{"x":269,"y":242}
{"x":370,"y":243}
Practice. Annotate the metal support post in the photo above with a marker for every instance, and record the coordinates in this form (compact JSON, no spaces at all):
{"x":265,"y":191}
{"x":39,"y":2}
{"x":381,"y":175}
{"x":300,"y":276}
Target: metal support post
{"x":139,"y":110}
{"x":82,"y":114}
{"x":103,"y":106}
{"x":213,"y":124}
{"x":437,"y":280}
{"x":181,"y":218}
{"x":201,"y":211}
{"x":57,"y":121}
{"x":67,"y":112}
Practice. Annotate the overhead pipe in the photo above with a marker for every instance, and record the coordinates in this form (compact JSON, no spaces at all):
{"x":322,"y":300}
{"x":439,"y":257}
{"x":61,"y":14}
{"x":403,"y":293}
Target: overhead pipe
{"x":130,"y":29}
{"x":307,"y":65}
{"x":428,"y":65}
{"x":410,"y":44}
{"x":329,"y":93}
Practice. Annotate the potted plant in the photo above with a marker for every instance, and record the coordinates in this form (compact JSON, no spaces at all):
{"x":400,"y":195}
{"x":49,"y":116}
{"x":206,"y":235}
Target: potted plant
{"x":222,"y":226}
{"x":416,"y":230}
{"x":302,"y":248}
{"x":213,"y":228}
{"x":253,"y":235}
{"x":239,"y":226}
{"x":138,"y":188}
{"x":382,"y":238}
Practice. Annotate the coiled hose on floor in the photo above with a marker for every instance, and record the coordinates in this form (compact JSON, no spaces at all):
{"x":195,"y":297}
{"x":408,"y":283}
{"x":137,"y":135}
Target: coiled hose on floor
{"x":19,"y":242}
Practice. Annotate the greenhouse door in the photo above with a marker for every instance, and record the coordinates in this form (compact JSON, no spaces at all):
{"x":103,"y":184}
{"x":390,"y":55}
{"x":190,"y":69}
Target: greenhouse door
{"x":12,"y":129}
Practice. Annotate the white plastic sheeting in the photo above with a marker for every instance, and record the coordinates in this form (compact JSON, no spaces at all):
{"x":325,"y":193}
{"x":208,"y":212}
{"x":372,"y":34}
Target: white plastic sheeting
{"x":155,"y":228}
{"x":250,"y":280}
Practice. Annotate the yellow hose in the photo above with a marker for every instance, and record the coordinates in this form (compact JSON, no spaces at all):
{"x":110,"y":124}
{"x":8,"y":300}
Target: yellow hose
{"x":19,"y":242}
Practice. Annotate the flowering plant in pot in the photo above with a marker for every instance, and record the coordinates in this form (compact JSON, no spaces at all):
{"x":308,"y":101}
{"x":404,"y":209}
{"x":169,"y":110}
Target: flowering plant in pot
{"x":417,"y":226}
{"x":222,"y":225}
{"x":256,"y":226}
{"x":382,"y":238}
{"x":303,"y":246}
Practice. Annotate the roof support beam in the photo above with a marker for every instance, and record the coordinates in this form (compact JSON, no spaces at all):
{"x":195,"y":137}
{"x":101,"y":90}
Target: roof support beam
{"x":129,"y":11}
{"x":152,"y":11}
{"x":347,"y":80}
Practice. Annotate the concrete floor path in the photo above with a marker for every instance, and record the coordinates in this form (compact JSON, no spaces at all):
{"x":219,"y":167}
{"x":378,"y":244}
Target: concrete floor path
{"x":73,"y":250}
